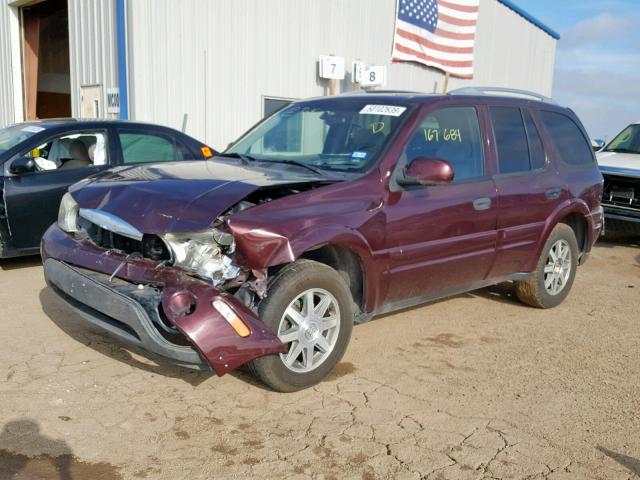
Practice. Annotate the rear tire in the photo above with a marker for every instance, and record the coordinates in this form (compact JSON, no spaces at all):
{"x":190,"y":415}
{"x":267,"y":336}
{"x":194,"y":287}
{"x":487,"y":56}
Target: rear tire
{"x":554,"y":274}
{"x":316,"y":337}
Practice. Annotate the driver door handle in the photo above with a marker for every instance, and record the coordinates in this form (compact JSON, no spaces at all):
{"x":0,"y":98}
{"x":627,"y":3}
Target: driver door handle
{"x":482,"y":203}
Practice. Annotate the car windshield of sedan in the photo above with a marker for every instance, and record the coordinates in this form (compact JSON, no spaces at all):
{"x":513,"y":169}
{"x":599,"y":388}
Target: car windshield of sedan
{"x":12,"y":136}
{"x":627,"y":141}
{"x":339,"y":135}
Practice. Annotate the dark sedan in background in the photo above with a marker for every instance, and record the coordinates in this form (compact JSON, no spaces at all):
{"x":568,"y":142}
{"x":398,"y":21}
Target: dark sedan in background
{"x":40,"y":160}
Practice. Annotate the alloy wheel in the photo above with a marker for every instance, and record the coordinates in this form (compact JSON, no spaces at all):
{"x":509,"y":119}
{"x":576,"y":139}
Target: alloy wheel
{"x":557,"y":270}
{"x":309,"y":327}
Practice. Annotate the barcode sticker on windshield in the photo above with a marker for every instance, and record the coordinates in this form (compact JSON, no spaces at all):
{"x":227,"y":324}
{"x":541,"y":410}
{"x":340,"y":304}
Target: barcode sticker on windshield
{"x":391,"y":110}
{"x":32,"y":129}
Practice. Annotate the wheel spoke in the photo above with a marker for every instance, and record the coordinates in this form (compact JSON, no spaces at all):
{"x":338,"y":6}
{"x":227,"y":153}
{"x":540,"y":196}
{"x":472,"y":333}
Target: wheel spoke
{"x":307,"y":356}
{"x":559,"y":283}
{"x":322,"y":306}
{"x":549,"y":281}
{"x":308,"y":303}
{"x":329,"y":322}
{"x":548,"y":268}
{"x":323,"y":344}
{"x":294,"y":353}
{"x":290,"y":335}
{"x":553,"y":254}
{"x":294,"y":315}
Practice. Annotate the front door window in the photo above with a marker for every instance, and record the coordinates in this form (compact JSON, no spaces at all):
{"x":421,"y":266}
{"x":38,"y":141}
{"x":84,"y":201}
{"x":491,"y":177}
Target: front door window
{"x":71,"y":151}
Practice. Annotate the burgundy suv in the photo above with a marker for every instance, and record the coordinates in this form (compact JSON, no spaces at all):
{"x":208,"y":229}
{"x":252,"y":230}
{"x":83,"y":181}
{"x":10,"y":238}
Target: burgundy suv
{"x":327,"y":213}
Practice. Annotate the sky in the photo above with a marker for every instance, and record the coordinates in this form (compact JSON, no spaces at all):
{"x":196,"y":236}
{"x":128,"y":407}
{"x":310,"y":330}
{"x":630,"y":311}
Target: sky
{"x":597,"y":61}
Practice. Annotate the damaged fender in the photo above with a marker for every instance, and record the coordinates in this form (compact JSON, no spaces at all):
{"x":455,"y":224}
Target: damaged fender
{"x":212,"y":335}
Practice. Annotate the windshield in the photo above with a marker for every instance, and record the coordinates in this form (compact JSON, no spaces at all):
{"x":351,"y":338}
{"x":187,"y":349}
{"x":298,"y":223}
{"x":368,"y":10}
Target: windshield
{"x":344,"y":135}
{"x":12,"y":136}
{"x":627,"y":141}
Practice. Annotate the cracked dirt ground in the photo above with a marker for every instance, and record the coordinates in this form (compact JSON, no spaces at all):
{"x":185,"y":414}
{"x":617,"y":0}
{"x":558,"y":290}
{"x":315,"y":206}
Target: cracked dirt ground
{"x":477,"y":386}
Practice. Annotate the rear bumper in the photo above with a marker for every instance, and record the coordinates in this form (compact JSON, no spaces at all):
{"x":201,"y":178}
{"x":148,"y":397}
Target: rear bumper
{"x":79,"y":272}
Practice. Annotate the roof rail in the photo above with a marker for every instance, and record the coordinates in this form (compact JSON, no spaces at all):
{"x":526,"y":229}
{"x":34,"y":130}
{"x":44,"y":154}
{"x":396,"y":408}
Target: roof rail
{"x":382,"y":92}
{"x":512,"y":91}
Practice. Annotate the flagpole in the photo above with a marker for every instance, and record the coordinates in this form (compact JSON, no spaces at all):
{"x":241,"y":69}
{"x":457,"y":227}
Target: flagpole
{"x":445,"y":87}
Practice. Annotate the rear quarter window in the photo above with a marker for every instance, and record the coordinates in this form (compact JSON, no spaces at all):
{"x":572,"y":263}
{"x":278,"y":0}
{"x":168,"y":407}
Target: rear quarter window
{"x":568,"y":138}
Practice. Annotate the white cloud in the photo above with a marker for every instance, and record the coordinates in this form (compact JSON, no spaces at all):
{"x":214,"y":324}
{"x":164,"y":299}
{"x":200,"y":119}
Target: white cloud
{"x":598,"y":30}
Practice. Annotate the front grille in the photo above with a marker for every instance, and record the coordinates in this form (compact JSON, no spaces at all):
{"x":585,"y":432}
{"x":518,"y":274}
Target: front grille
{"x":151,"y":246}
{"x":621,"y":192}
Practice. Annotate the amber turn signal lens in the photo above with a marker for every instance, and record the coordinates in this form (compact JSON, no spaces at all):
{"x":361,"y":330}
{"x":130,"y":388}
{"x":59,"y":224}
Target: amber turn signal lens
{"x":206,"y":151}
{"x":232,"y":318}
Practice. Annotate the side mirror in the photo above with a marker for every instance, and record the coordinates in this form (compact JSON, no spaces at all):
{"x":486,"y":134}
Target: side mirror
{"x":427,"y":171}
{"x":22,"y":165}
{"x":597,"y":144}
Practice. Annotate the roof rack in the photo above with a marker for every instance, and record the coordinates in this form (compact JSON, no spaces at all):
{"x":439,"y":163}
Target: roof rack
{"x":512,"y":91}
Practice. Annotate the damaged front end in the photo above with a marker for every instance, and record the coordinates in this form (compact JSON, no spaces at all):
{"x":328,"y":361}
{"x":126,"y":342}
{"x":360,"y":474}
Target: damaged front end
{"x":179,"y":296}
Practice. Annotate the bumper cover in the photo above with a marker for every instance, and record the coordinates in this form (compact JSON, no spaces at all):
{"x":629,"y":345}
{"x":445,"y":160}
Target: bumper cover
{"x":626,"y":214}
{"x":79,"y":273}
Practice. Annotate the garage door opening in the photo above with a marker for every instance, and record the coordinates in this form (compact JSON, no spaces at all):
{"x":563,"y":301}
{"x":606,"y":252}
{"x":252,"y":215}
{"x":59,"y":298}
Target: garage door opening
{"x":45,"y":60}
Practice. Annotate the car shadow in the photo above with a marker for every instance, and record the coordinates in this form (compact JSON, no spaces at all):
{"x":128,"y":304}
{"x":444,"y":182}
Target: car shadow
{"x":633,"y":242}
{"x":20,"y":262}
{"x":630,"y":463}
{"x":57,"y":461}
{"x":623,"y":241}
{"x":419,"y":305}
{"x":500,"y":292}
{"x":109,"y":346}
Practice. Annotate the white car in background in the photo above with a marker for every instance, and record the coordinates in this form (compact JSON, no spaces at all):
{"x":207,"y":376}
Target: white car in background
{"x":619,"y":163}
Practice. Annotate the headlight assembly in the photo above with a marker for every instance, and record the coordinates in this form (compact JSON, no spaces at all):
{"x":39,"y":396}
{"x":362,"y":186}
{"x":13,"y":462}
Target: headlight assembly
{"x":68,"y":214}
{"x":203,"y":253}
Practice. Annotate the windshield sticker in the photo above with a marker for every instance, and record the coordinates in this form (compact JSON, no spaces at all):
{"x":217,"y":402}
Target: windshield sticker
{"x":391,"y":110}
{"x":359,"y":155}
{"x":33,"y":129}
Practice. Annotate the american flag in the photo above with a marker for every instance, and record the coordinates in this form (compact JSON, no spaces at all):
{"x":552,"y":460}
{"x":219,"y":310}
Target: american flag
{"x":437,"y":33}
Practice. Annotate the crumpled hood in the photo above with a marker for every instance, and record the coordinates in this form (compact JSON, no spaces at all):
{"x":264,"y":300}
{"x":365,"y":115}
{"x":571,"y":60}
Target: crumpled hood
{"x":622,"y":163}
{"x":179,"y":196}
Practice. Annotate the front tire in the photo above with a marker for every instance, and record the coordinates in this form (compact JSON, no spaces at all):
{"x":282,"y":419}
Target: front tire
{"x":554,"y":274}
{"x":308,"y":306}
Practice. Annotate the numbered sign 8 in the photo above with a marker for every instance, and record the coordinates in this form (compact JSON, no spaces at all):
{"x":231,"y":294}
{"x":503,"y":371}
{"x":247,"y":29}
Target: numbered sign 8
{"x":374,"y":76}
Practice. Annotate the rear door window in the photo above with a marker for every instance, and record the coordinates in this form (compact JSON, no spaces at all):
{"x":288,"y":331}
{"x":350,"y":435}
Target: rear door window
{"x":569,"y":140}
{"x":511,"y":140}
{"x":145,"y":147}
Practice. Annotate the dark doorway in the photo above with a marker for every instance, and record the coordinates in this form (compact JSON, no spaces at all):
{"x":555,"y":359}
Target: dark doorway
{"x":45,"y":60}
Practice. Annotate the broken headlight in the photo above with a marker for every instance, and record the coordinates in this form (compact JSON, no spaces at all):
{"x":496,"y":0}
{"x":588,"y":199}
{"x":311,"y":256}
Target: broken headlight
{"x":68,"y":214}
{"x":204,"y":253}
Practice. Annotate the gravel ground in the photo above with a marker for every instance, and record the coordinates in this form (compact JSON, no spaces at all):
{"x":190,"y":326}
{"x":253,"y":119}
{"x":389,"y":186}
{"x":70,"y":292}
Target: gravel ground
{"x":476,"y":386}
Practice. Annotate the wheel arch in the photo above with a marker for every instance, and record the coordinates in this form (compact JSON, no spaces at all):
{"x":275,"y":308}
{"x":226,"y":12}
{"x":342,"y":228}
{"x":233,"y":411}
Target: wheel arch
{"x":343,"y":249}
{"x":347,"y":263}
{"x":574,"y":213}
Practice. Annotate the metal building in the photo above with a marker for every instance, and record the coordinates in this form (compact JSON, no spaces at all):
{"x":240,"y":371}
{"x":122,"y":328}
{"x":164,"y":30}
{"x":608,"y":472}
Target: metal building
{"x":219,"y":66}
